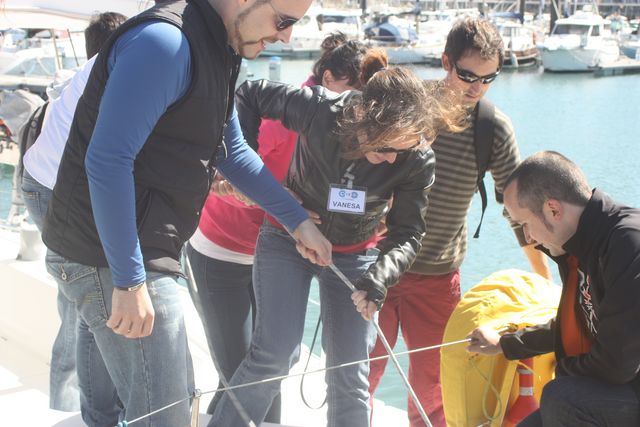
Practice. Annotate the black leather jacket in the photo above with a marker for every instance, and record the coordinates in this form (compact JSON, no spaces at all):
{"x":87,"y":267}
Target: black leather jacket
{"x":318,"y":161}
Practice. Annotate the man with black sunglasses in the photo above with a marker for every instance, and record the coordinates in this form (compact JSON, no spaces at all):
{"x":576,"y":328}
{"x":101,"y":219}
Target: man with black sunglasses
{"x":155,"y":121}
{"x":420,"y":304}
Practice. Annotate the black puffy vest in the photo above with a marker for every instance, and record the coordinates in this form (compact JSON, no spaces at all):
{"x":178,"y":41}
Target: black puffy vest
{"x":173,"y":170}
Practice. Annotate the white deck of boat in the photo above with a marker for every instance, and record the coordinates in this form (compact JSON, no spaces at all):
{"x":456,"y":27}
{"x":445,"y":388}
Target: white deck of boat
{"x":28,"y":324}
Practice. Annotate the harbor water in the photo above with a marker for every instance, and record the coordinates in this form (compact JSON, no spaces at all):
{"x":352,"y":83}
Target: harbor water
{"x":593,"y":121}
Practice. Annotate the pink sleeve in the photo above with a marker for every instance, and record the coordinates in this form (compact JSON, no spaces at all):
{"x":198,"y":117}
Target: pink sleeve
{"x":275,"y":146}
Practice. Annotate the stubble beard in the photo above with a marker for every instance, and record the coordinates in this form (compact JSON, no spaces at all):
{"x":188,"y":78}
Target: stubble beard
{"x":237,"y":33}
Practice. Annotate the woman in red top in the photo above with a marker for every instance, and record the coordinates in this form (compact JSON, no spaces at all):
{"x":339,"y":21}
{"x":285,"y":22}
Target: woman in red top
{"x":221,"y":250}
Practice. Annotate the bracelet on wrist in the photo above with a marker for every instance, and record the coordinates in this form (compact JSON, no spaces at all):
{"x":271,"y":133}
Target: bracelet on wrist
{"x":131,"y":288}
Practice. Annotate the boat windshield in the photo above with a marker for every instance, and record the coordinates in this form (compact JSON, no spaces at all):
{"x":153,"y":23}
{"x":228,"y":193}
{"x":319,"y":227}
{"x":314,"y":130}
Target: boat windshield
{"x":579,"y":30}
{"x":39,"y":67}
{"x":510,"y":31}
{"x":338,"y":19}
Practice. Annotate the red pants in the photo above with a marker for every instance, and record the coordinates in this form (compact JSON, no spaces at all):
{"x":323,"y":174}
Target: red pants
{"x":419,"y":306}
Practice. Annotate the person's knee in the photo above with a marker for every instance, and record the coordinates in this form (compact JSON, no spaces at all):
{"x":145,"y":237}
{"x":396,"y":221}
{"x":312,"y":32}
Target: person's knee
{"x":554,"y":394}
{"x":560,"y":398}
{"x":277,"y":360}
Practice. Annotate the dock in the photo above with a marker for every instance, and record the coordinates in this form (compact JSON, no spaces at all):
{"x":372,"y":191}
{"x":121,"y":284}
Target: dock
{"x":621,"y":67}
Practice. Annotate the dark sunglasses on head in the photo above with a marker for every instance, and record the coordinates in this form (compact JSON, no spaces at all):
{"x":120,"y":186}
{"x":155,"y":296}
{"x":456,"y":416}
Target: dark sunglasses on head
{"x":469,"y":77}
{"x":384,"y":150}
{"x":284,"y":21}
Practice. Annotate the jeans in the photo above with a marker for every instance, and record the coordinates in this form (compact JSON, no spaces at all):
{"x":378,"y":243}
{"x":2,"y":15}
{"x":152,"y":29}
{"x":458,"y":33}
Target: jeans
{"x":226,"y":304}
{"x":36,"y":198}
{"x":148,"y":373}
{"x":282,"y":279}
{"x":63,"y":380}
{"x":581,"y":401}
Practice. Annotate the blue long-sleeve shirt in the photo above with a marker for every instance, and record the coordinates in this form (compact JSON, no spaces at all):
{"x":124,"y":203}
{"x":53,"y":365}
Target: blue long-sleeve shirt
{"x":149,"y":70}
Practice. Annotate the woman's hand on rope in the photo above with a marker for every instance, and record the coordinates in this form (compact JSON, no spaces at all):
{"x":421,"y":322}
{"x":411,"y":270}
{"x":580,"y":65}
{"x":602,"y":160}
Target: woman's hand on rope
{"x":484,"y":340}
{"x":365,"y":307}
{"x":311,"y":244}
{"x":369,"y":297}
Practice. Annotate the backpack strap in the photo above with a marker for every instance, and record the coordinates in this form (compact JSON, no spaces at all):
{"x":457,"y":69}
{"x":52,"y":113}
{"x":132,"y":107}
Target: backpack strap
{"x":483,"y":142}
{"x":30,"y":132}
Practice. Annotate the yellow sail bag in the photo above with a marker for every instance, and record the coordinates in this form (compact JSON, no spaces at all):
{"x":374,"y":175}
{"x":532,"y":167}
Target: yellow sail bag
{"x":477,"y":390}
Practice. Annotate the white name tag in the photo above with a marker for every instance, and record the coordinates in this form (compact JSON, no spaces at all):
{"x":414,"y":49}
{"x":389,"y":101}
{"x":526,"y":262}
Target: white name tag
{"x":347,"y":200}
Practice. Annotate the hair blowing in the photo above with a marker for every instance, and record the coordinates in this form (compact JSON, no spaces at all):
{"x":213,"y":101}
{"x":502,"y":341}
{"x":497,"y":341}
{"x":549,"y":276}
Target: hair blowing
{"x":549,"y":175}
{"x":474,"y":35}
{"x":395,"y":103}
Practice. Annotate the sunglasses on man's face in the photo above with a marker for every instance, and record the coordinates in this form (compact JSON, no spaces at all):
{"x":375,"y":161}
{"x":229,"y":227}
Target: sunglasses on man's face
{"x":385,"y":150}
{"x":469,"y":77}
{"x":284,"y":21}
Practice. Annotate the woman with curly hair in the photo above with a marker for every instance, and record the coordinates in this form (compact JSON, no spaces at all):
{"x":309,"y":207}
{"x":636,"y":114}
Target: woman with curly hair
{"x":355,"y":152}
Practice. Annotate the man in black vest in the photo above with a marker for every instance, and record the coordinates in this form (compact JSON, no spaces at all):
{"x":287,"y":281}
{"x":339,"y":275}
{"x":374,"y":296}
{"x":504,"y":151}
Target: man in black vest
{"x":136,"y":170}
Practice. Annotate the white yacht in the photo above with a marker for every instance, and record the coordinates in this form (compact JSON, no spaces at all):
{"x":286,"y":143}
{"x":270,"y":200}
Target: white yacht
{"x":433,"y":28}
{"x":519,"y":43}
{"x":581,"y":42}
{"x":30,"y":57}
{"x":309,"y":32}
{"x":397,"y":36}
{"x":631,"y":47}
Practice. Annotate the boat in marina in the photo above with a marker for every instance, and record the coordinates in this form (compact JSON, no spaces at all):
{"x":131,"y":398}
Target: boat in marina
{"x":631,"y":48}
{"x":36,"y":68}
{"x":581,"y":42}
{"x":519,"y":41}
{"x":433,"y":28}
{"x":309,"y":32}
{"x":397,"y":35}
{"x":46,"y":38}
{"x":32,"y":56}
{"x":630,"y":43}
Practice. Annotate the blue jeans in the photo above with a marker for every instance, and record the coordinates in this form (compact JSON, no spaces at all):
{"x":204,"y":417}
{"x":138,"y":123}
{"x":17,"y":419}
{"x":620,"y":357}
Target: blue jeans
{"x":581,"y":401}
{"x":281,"y":279}
{"x":148,"y":373}
{"x":226,"y":305}
{"x":36,"y":198}
{"x":63,"y":380}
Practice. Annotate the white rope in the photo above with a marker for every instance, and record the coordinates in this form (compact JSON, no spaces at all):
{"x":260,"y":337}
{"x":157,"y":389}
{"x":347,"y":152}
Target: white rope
{"x":315,"y":371}
{"x":331,"y":368}
{"x":381,"y":336}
